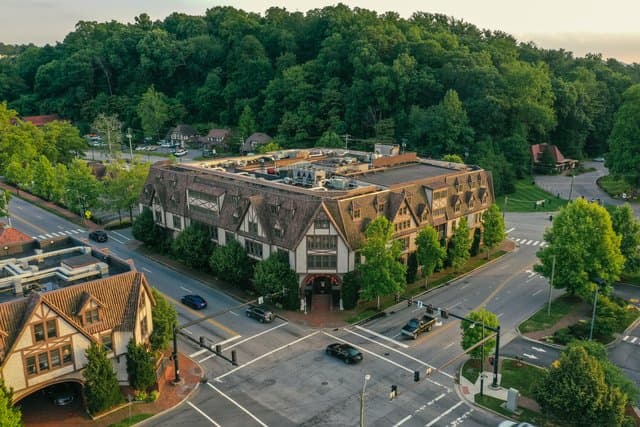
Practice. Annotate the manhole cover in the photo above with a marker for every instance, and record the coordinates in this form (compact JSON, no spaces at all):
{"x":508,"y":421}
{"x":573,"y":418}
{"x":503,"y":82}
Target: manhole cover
{"x":268,"y":382}
{"x":325,"y":383}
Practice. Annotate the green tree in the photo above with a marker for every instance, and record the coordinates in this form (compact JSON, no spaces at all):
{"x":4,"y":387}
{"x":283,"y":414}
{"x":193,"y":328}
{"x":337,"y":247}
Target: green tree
{"x":62,"y":142}
{"x":43,"y":178}
{"x":351,"y":285}
{"x":447,"y":126}
{"x":153,"y":111}
{"x":584,"y":245}
{"x":382,"y":273}
{"x":574,"y":391}
{"x":453,"y":158}
{"x":473,"y":334}
{"x":430,"y":254}
{"x":246,"y":123}
{"x":110,"y":130}
{"x":493,"y":225}
{"x":82,"y":189}
{"x":627,"y":226}
{"x":460,"y":245}
{"x":330,"y":139}
{"x":547,"y":163}
{"x":101,"y":383}
{"x":193,"y":246}
{"x":164,"y":318}
{"x":274,"y":275}
{"x":19,"y":173}
{"x":123,"y":185}
{"x":10,"y":415}
{"x":623,"y":159}
{"x":231,"y":263}
{"x":140,"y":366}
{"x":268,"y":147}
{"x":146,"y":230}
{"x":5,"y":197}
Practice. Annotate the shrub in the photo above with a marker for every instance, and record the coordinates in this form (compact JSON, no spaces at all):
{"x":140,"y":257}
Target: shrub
{"x":153,"y":396}
{"x":350,"y":289}
{"x":563,"y":336}
{"x":140,"y":395}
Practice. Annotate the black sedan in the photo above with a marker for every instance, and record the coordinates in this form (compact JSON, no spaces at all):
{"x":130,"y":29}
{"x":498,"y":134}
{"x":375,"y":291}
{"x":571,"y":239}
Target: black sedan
{"x":98,"y":236}
{"x":346,"y":352}
{"x":194,"y":301}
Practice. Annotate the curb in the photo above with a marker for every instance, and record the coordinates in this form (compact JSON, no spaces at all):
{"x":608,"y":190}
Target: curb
{"x":188,"y":396}
{"x":396,"y":307}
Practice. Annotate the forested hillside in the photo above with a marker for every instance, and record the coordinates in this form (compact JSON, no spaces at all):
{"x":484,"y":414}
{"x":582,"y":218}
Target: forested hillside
{"x":440,"y":85}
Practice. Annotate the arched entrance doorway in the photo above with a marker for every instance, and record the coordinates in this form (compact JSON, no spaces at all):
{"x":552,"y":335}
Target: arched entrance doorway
{"x":54,"y":402}
{"x":322,"y":292}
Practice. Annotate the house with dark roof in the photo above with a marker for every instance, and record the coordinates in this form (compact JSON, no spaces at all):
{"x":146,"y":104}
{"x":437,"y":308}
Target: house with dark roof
{"x":313,"y":206}
{"x":216,"y":139}
{"x":557,"y":162}
{"x":75,"y":295}
{"x":255,"y":140}
{"x":182,"y":135}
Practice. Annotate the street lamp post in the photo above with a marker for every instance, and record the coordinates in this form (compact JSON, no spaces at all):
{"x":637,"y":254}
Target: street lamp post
{"x":364,"y":385}
{"x":599,"y":282}
{"x":482,"y":360}
{"x":553,"y":271}
{"x":129,"y":136}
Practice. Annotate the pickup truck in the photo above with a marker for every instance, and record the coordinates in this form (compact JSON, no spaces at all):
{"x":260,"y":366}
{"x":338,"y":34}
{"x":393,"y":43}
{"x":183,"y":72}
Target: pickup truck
{"x":415,"y":327}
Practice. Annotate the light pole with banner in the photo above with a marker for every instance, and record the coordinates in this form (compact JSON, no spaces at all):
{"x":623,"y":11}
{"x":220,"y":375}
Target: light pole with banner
{"x":367,"y":377}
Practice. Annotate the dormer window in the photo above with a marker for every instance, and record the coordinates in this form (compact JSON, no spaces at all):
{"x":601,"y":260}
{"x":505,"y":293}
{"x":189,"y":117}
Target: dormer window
{"x":91,"y":316}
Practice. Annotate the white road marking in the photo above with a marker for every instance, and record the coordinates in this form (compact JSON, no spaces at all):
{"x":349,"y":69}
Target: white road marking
{"x":500,"y":315}
{"x":537,"y":292}
{"x":119,"y":241}
{"x":266,"y":354}
{"x":402,"y":421}
{"x":382,"y":336}
{"x":233,"y":338}
{"x":626,"y":337}
{"x":234,"y":313}
{"x":530,"y":356}
{"x":436,"y":399}
{"x":633,"y":340}
{"x":55,"y":234}
{"x":207,"y":358}
{"x":41,"y":237}
{"x":536,"y":243}
{"x":435,"y":420}
{"x":510,"y":230}
{"x":397,"y":351}
{"x":203,"y":414}
{"x":48,"y":236}
{"x":256,"y":336}
{"x":543,"y":244}
{"x":187,"y":331}
{"x":448,"y":345}
{"x":185,"y":289}
{"x":198,"y":353}
{"x":541,"y":350}
{"x":146,"y":269}
{"x":121,"y":235}
{"x":238,"y":405}
{"x":529,"y":242}
{"x":76,"y":231}
{"x":517,"y":240}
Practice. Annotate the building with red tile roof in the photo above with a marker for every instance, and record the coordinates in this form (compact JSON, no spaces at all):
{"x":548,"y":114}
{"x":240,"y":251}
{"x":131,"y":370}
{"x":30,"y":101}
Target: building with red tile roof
{"x":41,"y":120}
{"x":561,"y":163}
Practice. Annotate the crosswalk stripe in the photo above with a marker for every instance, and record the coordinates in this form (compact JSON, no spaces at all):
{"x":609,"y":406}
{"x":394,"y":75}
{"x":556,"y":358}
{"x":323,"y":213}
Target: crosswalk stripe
{"x":626,"y":337}
{"x":633,"y":340}
{"x":48,"y":235}
{"x":67,"y":232}
{"x":529,"y":242}
{"x":79,"y":230}
{"x":41,"y":237}
{"x":75,"y":231}
{"x":536,"y":243}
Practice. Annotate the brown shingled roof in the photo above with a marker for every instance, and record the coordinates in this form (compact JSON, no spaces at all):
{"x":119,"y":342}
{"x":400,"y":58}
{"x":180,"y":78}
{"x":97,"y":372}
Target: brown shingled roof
{"x":10,"y":235}
{"x":118,"y":295}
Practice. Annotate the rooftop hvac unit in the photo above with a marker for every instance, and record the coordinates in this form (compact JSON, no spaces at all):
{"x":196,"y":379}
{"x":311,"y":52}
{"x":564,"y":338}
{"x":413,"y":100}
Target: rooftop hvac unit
{"x":337,"y":183}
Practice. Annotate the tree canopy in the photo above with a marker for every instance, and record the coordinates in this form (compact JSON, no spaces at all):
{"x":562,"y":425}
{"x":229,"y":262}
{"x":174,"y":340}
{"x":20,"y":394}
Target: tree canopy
{"x":436,"y":83}
{"x":429,"y":253}
{"x":101,"y":383}
{"x":584,"y":245}
{"x":10,"y":415}
{"x":493,"y":228}
{"x":473,"y":334}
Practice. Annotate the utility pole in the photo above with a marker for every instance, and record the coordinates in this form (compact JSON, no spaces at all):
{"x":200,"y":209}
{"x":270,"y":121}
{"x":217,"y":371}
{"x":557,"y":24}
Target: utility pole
{"x":346,"y":141}
{"x":130,"y":146}
{"x":553,"y":270}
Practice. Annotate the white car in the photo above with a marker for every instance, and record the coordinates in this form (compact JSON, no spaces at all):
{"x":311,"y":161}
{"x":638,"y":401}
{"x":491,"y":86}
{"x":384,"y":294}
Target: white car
{"x":508,"y":423}
{"x":180,"y":152}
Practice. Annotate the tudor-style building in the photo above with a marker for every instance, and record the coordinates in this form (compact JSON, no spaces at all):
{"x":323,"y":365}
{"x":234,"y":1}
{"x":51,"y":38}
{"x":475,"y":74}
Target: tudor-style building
{"x":43,"y":338}
{"x":314,"y":205}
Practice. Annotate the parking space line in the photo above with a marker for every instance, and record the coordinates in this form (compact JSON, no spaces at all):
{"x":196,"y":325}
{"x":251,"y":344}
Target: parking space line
{"x":198,"y":410}
{"x":229,"y":340}
{"x":447,"y":412}
{"x":382,"y":336}
{"x":256,"y":336}
{"x":402,"y":421}
{"x":397,"y":351}
{"x":207,"y":358}
{"x":266,"y":354}
{"x":198,"y":353}
{"x":238,"y":405}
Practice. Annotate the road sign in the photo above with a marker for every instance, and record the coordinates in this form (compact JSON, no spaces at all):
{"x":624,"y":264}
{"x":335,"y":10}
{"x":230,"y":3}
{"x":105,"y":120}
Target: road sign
{"x":87,"y":214}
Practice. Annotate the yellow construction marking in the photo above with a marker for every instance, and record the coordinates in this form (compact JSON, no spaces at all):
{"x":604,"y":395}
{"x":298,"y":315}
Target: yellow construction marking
{"x":198,"y":314}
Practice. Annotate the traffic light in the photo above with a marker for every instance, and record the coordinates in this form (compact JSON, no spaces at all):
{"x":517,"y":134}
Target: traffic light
{"x":416,"y":376}
{"x":444,"y":314}
{"x":218,"y":349}
{"x":201,"y":341}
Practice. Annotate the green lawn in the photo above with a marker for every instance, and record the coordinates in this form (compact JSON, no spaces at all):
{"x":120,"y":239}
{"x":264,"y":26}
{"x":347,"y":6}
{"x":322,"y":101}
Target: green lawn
{"x":522,"y":377}
{"x":613,"y":187}
{"x":559,"y":308}
{"x":129,"y":421}
{"x":524,"y":415}
{"x":529,"y":198}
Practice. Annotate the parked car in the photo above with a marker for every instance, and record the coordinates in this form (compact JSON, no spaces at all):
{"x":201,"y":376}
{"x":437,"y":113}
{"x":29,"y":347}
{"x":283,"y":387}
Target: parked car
{"x":260,"y":313}
{"x":508,"y":423}
{"x":194,"y":301}
{"x":99,"y":236}
{"x":599,"y":159}
{"x":61,"y":394}
{"x":346,"y":352}
{"x":180,"y":152}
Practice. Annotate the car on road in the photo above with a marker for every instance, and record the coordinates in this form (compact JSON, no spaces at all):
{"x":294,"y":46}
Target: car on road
{"x":508,"y":423}
{"x":599,"y":159}
{"x":260,"y":313}
{"x":99,"y":236}
{"x":194,"y":301}
{"x":346,"y":352}
{"x":180,"y":152}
